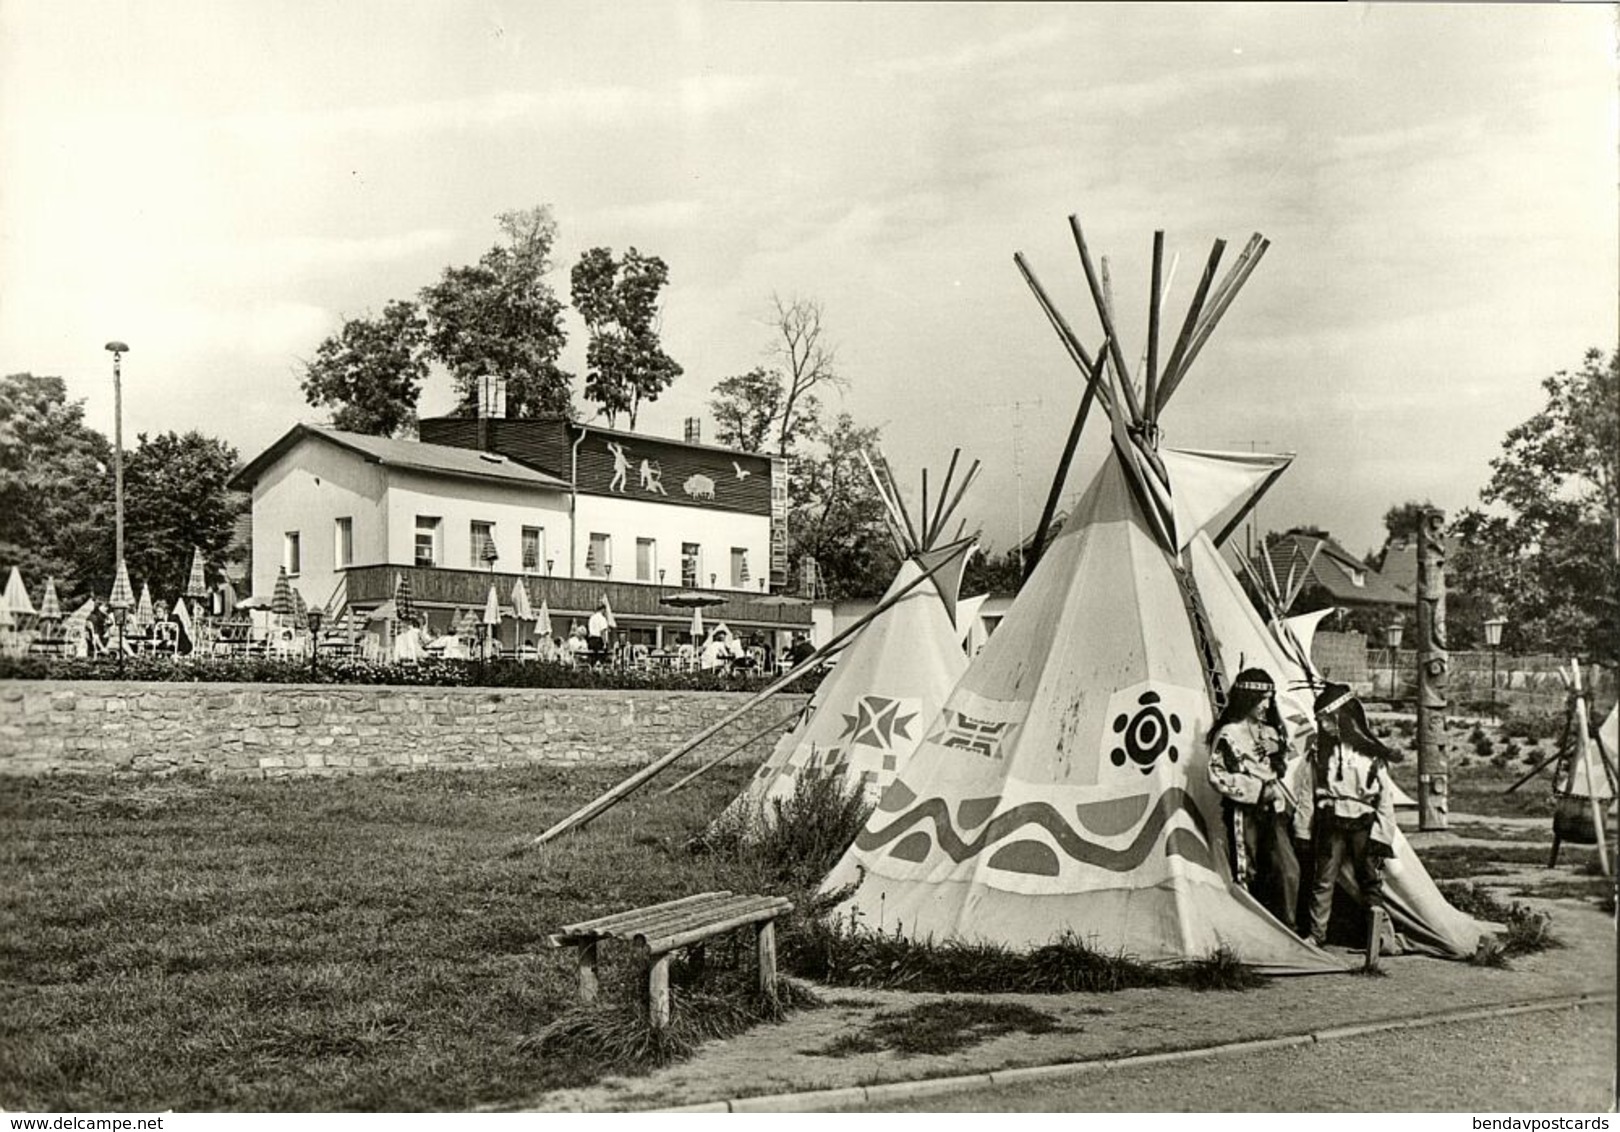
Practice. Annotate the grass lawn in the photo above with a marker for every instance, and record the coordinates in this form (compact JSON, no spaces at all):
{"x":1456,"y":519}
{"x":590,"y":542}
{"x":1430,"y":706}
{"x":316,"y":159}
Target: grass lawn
{"x":364,"y":944}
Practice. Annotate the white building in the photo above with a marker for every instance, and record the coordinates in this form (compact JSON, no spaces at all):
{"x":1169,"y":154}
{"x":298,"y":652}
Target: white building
{"x":578,"y":511}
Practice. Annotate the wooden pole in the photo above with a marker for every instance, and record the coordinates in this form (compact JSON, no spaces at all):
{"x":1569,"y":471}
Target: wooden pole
{"x":1071,"y":343}
{"x":944,"y":493}
{"x":924,"y":518}
{"x":1189,"y":324}
{"x":1582,"y":739}
{"x":894,"y":493}
{"x":1100,"y":300}
{"x":714,"y":762}
{"x":1150,"y":392}
{"x":1434,"y":664}
{"x":897,"y":526}
{"x":1055,"y":493}
{"x":1218,"y":309}
{"x":765,"y":947}
{"x":950,"y":509}
{"x":617,"y":794}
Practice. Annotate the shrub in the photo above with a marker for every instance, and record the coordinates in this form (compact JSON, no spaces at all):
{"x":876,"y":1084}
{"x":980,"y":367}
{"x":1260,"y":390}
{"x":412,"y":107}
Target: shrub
{"x":1526,"y":931}
{"x":351,"y":670}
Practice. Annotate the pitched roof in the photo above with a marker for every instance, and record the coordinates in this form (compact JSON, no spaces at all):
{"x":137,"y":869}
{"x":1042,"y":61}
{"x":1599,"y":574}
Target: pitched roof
{"x":434,"y":459}
{"x":1345,"y":577}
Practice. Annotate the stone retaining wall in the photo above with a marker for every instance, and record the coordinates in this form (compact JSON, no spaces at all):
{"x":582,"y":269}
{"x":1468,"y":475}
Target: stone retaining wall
{"x":276,"y":730}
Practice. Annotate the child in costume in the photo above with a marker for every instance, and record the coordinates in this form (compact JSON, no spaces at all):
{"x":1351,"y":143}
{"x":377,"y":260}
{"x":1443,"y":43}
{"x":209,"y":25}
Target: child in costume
{"x":1247,"y":761}
{"x":1352,"y":811}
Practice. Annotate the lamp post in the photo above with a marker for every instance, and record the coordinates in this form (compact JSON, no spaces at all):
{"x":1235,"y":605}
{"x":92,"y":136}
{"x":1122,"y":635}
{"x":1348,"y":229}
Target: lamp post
{"x":1493,"y":640}
{"x":550,"y":562}
{"x":1393,"y":633}
{"x":118,"y":350}
{"x":713,"y":579}
{"x":314,"y":642}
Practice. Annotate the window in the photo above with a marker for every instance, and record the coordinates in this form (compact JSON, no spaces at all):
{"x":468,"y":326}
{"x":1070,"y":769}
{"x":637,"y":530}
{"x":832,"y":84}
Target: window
{"x":691,"y":562}
{"x":599,"y":556}
{"x":483,"y":544}
{"x":427,"y":541}
{"x":292,"y":556}
{"x":646,"y":559}
{"x":343,"y":543}
{"x":739,"y":568}
{"x":534,"y":549}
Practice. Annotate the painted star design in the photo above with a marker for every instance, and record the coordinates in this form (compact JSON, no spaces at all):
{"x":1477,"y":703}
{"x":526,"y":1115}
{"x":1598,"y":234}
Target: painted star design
{"x":876,"y":723}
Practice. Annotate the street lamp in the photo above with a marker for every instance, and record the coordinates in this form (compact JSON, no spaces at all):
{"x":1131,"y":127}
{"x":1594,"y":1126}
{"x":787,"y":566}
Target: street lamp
{"x":118,"y":350}
{"x":1393,"y":633}
{"x":1493,"y":640}
{"x":550,"y":562}
{"x":314,"y":642}
{"x":712,"y":580}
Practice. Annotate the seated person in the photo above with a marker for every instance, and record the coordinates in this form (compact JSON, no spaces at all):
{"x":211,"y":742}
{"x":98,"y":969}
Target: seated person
{"x":802,"y":649}
{"x":719,"y":650}
{"x":576,"y":646}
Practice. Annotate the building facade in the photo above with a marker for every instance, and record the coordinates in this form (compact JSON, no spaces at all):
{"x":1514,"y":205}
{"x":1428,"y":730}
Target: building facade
{"x":578,"y":512}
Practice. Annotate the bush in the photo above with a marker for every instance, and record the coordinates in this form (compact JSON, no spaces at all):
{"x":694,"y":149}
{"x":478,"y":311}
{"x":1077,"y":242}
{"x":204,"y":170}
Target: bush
{"x":1532,"y":726}
{"x":804,"y":836}
{"x":349,"y":670}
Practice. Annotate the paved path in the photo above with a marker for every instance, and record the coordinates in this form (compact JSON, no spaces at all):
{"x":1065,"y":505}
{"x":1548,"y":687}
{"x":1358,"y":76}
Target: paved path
{"x":1554,"y":1061}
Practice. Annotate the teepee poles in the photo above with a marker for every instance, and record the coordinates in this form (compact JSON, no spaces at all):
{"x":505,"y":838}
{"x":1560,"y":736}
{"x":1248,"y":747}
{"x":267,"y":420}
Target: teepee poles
{"x":1100,"y":300}
{"x":1240,"y":275}
{"x":949,"y":509}
{"x":1189,"y":325}
{"x":612,"y":797}
{"x":944,"y":489}
{"x":1150,"y":389}
{"x":897,"y":526}
{"x":899,"y":503}
{"x":1071,"y":343}
{"x":718,"y":759}
{"x":1061,"y":476}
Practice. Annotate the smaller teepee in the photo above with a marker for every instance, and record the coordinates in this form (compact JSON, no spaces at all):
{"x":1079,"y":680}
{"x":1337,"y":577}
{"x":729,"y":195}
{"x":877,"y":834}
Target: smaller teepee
{"x":889,"y":683}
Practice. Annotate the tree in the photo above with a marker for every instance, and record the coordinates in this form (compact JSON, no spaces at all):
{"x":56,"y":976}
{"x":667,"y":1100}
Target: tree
{"x":836,"y":515}
{"x":625,"y":360}
{"x":778,"y":406}
{"x":175,"y":498}
{"x":56,"y":487}
{"x":1401,"y":524}
{"x":1547,"y":552}
{"x":372,"y":371}
{"x":988,"y":572}
{"x":500,"y":318}
{"x":746,"y":407}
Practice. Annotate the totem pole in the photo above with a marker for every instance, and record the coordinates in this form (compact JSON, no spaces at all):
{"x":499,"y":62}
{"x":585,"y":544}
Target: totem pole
{"x":1434,"y":664}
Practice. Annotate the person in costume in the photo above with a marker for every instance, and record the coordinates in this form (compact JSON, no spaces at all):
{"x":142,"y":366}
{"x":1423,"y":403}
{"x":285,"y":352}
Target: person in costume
{"x":1247,"y":762}
{"x":1352,"y":811}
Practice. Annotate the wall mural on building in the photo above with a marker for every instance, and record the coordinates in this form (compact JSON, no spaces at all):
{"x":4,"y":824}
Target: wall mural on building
{"x":699,"y":487}
{"x":621,"y":467}
{"x":742,"y":472}
{"x":652,"y":477}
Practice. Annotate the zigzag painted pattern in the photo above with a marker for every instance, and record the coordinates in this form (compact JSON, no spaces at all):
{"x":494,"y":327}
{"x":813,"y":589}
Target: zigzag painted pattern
{"x":1070,"y":840}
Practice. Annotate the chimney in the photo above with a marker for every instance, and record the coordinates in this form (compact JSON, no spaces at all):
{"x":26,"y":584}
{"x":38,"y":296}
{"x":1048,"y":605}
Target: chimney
{"x":694,"y":430}
{"x":491,"y":397}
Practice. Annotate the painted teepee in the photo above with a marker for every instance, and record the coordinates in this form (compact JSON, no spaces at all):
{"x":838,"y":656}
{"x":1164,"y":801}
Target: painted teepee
{"x":868,"y":715}
{"x":1064,"y":787}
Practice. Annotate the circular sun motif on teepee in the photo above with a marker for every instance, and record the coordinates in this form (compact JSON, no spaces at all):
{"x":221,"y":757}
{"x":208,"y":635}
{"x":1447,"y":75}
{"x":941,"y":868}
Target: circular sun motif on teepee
{"x":1146,"y":735}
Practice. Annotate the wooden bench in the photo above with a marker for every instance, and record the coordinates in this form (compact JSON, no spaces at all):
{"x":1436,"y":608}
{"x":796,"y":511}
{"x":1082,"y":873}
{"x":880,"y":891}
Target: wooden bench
{"x":663,"y":929}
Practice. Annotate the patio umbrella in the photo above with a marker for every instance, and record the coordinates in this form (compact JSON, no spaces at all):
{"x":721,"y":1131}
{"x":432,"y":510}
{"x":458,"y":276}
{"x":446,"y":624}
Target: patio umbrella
{"x":76,"y":621}
{"x":467,"y":625}
{"x":542,"y":620}
{"x":300,"y":607}
{"x":607,"y":611}
{"x":7,"y":621}
{"x":143,"y":608}
{"x":16,"y":595}
{"x":227,"y":598}
{"x":522,"y":608}
{"x":281,"y":601}
{"x":183,"y":616}
{"x":697,"y":623}
{"x":196,"y":586}
{"x":387,"y":611}
{"x":402,"y":599}
{"x":50,"y":607}
{"x":123,"y":594}
{"x":492,"y":607}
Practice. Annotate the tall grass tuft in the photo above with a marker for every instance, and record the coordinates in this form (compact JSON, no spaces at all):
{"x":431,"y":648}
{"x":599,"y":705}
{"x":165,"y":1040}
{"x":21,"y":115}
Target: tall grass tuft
{"x":1526,"y":931}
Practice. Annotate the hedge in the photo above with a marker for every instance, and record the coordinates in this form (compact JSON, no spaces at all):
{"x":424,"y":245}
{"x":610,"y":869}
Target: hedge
{"x":431,"y":673}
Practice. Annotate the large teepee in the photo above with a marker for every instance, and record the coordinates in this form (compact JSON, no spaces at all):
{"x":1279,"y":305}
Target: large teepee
{"x":890,"y":681}
{"x":1063,"y":787}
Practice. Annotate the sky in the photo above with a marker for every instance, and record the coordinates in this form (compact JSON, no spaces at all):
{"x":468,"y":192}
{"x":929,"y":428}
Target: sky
{"x":220,"y":185}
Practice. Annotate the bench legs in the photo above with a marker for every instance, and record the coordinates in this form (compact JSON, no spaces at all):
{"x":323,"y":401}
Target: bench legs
{"x":765,"y":938}
{"x":658,"y":992}
{"x":587,"y":972}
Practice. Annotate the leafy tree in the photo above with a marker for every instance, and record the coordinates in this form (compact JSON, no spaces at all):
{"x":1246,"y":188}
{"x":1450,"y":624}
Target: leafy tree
{"x":1401,"y":524}
{"x":746,"y":407}
{"x":779,"y":406}
{"x":1546,"y":550}
{"x":500,"y":317}
{"x":625,"y":361}
{"x":836,"y":515}
{"x":176,"y":497}
{"x":988,"y":572}
{"x":56,"y":487}
{"x":372,"y":371}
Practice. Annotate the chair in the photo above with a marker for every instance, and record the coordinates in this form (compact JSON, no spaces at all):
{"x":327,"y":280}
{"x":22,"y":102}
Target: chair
{"x":685,"y":658}
{"x":639,"y":655}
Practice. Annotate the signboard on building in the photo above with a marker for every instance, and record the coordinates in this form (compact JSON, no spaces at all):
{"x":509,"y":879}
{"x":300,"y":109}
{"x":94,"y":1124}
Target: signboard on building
{"x":779,"y":524}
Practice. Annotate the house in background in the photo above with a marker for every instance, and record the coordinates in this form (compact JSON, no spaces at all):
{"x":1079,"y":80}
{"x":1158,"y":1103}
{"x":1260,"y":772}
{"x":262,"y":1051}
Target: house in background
{"x":1400,"y":563}
{"x":578,"y":512}
{"x":1311,"y":559}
